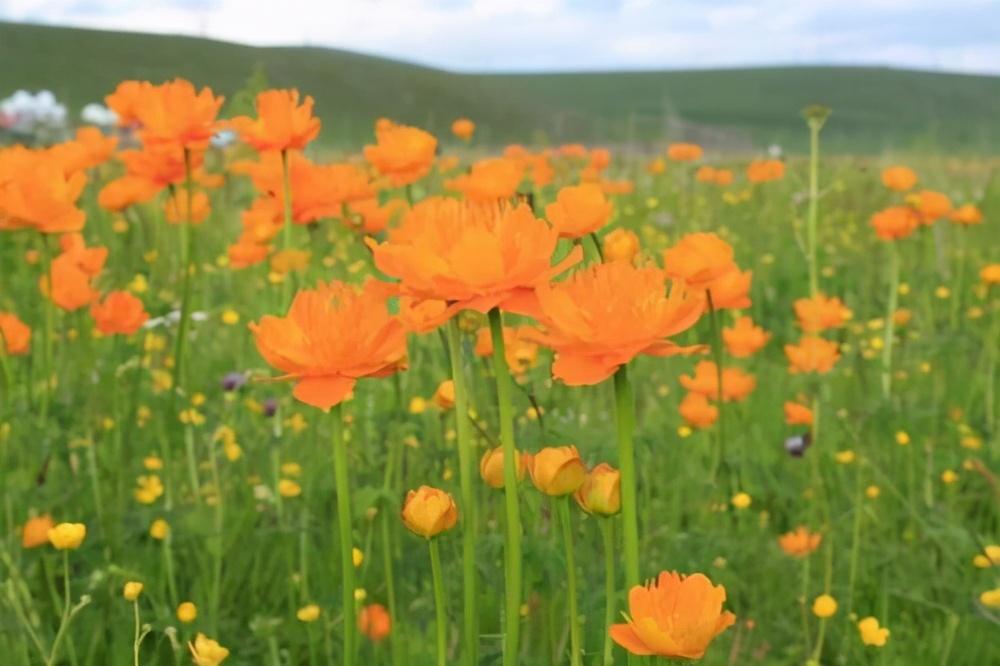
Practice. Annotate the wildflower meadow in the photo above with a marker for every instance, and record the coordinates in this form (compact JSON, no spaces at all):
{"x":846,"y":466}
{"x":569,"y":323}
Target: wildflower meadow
{"x":437,"y":401}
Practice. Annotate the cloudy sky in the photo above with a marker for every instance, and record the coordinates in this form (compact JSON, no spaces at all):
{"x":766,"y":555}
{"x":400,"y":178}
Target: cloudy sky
{"x":532,"y":35}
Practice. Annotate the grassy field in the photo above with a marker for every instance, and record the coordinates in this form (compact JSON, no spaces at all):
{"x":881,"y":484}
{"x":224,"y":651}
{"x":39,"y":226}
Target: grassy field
{"x":735,"y":110}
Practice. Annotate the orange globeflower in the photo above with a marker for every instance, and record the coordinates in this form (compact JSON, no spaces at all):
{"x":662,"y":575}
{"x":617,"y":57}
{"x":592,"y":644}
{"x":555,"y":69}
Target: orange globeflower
{"x":176,"y":207}
{"x":246,"y":252}
{"x":931,"y":205}
{"x":699,"y":259}
{"x":121,"y":313}
{"x":332,"y":336}
{"x":798,"y":414}
{"x":736,"y":383}
{"x":990,"y":274}
{"x":489,"y":180}
{"x":404,"y":154}
{"x":800,"y":543}
{"x":35,"y":532}
{"x":374,"y":217}
{"x":607,"y":314}
{"x":67,"y":285}
{"x":463,"y":128}
{"x":374,"y":622}
{"x":579,"y":210}
{"x":600,"y":492}
{"x":520,"y":347}
{"x":899,"y":178}
{"x":174,"y":113}
{"x":744,"y":339}
{"x":967,"y":214}
{"x":620,"y":245}
{"x":125,"y":100}
{"x":723,"y":177}
{"x":820,"y":313}
{"x":491,"y":466}
{"x":557,"y":470}
{"x":705,"y":174}
{"x":697,"y":411}
{"x":14,"y":334}
{"x":763,"y":171}
{"x":684,"y":152}
{"x":94,"y":146}
{"x":281,"y":123}
{"x":812,"y":354}
{"x":732,"y":290}
{"x":38,"y":192}
{"x":472,"y":256}
{"x":429,"y":511}
{"x":147,"y":172}
{"x":895,"y":222}
{"x":676,"y":617}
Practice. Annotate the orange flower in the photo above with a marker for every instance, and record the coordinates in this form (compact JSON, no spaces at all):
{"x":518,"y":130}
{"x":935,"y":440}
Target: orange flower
{"x":489,"y":180}
{"x":699,"y":259}
{"x":744,"y":339}
{"x":246,"y":252}
{"x":573,"y":150}
{"x":147,"y":172}
{"x":723,"y":177}
{"x":463,"y":128}
{"x":177,"y":209}
{"x":375,"y":218}
{"x":579,"y":210}
{"x":74,"y":249}
{"x":736,"y":384}
{"x":71,"y":272}
{"x":967,"y":214}
{"x":404,"y":154}
{"x":491,"y":466}
{"x":428,"y":511}
{"x":763,"y":171}
{"x":990,"y":274}
{"x":601,"y":491}
{"x":38,"y":192}
{"x":732,"y":290}
{"x":35,"y":532}
{"x":281,"y":123}
{"x":175,"y":113}
{"x":607,"y":314}
{"x":820,"y":313}
{"x":600,"y":159}
{"x":14,"y":334}
{"x":620,"y":245}
{"x":899,"y":178}
{"x":125,"y":100}
{"x":895,"y":222}
{"x":290,"y":260}
{"x":800,"y":543}
{"x":798,"y":414}
{"x":812,"y":354}
{"x":697,"y":411}
{"x":656,"y":166}
{"x":705,"y":174}
{"x":557,"y":470}
{"x":677,"y":617}
{"x":472,"y":256}
{"x":931,"y":205}
{"x":520,"y":347}
{"x":444,"y":395}
{"x":374,"y":622}
{"x":333,"y":335}
{"x":684,"y":152}
{"x":94,"y":146}
{"x":120,"y":313}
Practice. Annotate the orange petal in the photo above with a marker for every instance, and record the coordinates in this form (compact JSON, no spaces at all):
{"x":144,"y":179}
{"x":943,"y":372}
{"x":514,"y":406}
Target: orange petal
{"x":624,"y":635}
{"x":576,"y":370}
{"x":323,"y":392}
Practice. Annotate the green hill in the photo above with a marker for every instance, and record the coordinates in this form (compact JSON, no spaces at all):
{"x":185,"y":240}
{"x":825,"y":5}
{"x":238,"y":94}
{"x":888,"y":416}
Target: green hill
{"x":740,"y":109}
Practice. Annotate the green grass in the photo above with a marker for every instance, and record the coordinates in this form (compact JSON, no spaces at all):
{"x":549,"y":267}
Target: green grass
{"x":875,"y":109}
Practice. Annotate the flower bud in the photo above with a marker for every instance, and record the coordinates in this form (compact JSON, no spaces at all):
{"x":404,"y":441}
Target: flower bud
{"x":428,"y":511}
{"x":558,"y":470}
{"x":601,"y":491}
{"x":67,"y":536}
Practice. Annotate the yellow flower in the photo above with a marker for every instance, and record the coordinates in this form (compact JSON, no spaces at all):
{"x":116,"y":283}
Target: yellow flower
{"x":132,"y":590}
{"x":990,"y":598}
{"x":296,"y":423}
{"x":67,"y":536}
{"x":230,"y":317}
{"x":942,"y":292}
{"x":988,"y":558}
{"x":198,"y":399}
{"x":289,"y":488}
{"x":684,"y":431}
{"x":309,"y":613}
{"x":149,"y":489}
{"x":417,"y":405}
{"x":291,"y":469}
{"x":872,"y":633}
{"x":902,"y":438}
{"x":824,"y":606}
{"x":360,"y":594}
{"x":160,"y":529}
{"x":741,"y":500}
{"x":207,"y":652}
{"x":192,"y":416}
{"x":357,"y":556}
{"x":845,"y":457}
{"x":187,"y":612}
{"x":949,"y":476}
{"x":872,"y":492}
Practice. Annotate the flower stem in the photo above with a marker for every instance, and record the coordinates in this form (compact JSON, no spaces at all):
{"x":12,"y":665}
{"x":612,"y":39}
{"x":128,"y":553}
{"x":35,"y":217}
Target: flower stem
{"x":720,"y":460}
{"x":466,"y":473}
{"x":512,"y":543}
{"x":136,"y":641}
{"x":286,"y":229}
{"x":562,"y":507}
{"x":608,"y":535}
{"x":346,"y":541}
{"x":890,"y":320}
{"x":180,"y":344}
{"x":813,"y":215}
{"x":49,"y":326}
{"x":625,"y":417}
{"x":439,"y":610}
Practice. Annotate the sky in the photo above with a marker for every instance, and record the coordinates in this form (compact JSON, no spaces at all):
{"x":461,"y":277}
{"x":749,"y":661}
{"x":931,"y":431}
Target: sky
{"x":566,"y":35}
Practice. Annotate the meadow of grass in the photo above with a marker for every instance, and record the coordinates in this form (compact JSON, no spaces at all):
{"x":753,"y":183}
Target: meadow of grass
{"x":739,"y":109}
{"x":901,"y":484}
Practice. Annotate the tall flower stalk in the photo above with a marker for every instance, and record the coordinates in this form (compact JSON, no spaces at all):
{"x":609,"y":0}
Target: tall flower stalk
{"x":625,"y":420}
{"x":562,"y":508}
{"x":890,"y":320}
{"x":344,"y":524}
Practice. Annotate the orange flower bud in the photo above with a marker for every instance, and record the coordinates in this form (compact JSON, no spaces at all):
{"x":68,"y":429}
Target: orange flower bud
{"x":428,"y":511}
{"x":601,"y":491}
{"x":491,"y":466}
{"x":374,"y":622}
{"x":35,"y":532}
{"x":558,"y":470}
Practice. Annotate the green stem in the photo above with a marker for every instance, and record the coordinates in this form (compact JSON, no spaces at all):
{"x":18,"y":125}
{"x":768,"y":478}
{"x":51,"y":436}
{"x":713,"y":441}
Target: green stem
{"x":65,"y":614}
{"x":512,"y":543}
{"x":439,"y":610}
{"x":855,"y":541}
{"x":180,"y":344}
{"x":286,"y":230}
{"x":608,"y":535}
{"x":48,"y":339}
{"x":805,"y":604}
{"x":813,"y":206}
{"x":220,"y":521}
{"x":168,"y":563}
{"x":890,"y":320}
{"x":136,"y":639}
{"x":466,"y":473}
{"x":346,"y":540}
{"x":390,"y":588}
{"x":720,"y":460}
{"x":625,"y":418}
{"x":562,"y":506}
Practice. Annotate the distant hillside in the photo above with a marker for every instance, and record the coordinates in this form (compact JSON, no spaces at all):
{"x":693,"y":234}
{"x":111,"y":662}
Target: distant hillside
{"x":739,"y":109}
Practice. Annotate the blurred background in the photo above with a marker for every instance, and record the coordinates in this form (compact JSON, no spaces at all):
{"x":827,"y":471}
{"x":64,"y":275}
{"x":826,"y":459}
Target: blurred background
{"x":900,"y":75}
